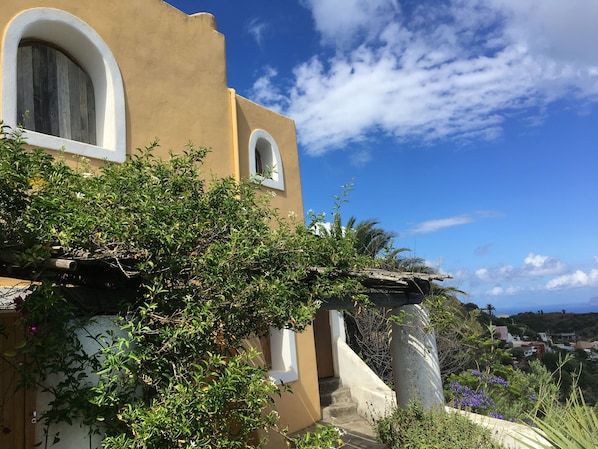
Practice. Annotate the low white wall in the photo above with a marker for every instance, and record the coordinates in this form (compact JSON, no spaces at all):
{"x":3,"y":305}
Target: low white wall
{"x":375,"y":399}
{"x":75,"y":436}
{"x":509,"y":434}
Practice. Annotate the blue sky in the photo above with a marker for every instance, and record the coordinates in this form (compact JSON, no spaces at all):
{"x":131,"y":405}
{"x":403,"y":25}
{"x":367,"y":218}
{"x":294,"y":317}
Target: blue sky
{"x":467,"y":127}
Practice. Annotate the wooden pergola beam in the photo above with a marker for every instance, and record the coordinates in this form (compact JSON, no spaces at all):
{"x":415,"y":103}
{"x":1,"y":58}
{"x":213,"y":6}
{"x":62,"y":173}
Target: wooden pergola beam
{"x":385,"y":300}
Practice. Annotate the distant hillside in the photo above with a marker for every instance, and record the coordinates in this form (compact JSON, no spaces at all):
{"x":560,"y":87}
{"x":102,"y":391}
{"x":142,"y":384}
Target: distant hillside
{"x":585,"y":325}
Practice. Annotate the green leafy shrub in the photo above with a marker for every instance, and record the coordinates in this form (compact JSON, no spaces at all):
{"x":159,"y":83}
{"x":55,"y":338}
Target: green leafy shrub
{"x":213,"y":265}
{"x":568,"y":424}
{"x":323,"y":437}
{"x":573,"y":425}
{"x":416,"y":428}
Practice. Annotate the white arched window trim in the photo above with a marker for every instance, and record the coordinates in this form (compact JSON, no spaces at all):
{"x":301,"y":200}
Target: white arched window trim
{"x":270,"y":156}
{"x":89,"y":49}
{"x":284,"y":356}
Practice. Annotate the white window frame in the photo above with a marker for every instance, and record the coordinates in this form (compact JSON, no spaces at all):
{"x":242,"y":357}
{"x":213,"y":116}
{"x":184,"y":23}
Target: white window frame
{"x":284,"y":356}
{"x":88,"y":49}
{"x":271,"y":160}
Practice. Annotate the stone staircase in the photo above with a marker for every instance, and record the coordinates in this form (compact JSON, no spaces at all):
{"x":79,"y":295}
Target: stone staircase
{"x":339,"y":410}
{"x":335,"y":400}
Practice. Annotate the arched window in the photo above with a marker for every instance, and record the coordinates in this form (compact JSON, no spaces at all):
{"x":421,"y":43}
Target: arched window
{"x":59,"y":35}
{"x":265,"y":163}
{"x":54,"y":94}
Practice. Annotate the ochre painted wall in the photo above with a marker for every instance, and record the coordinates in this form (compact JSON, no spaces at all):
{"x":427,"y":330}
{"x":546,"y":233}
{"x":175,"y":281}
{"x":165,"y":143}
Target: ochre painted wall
{"x":251,"y":116}
{"x":173,"y":68}
{"x":301,"y":407}
{"x":174,"y":74}
{"x":298,"y":407}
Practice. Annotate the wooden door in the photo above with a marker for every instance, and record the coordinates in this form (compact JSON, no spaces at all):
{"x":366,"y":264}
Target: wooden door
{"x":323,"y":340}
{"x":16,"y":407}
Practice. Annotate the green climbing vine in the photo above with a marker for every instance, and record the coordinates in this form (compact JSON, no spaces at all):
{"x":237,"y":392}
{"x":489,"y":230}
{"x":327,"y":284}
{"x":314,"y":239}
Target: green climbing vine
{"x":212,"y":265}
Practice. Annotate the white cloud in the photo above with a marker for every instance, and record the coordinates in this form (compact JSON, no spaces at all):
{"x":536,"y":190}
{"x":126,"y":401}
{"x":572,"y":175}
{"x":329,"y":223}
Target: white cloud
{"x":343,"y":22}
{"x":537,"y":265}
{"x":512,"y":290}
{"x":438,"y":71}
{"x":360,"y":158}
{"x":560,"y":31}
{"x":506,"y":272}
{"x":534,"y":266}
{"x":435,"y":264}
{"x":501,"y":291}
{"x":496,"y":291}
{"x":459,"y":276}
{"x":535,"y":260}
{"x":441,"y":223}
{"x":537,"y":273}
{"x":438,"y":224}
{"x":257,"y":28}
{"x":483,"y":274}
{"x":264,"y":91}
{"x":577,"y":279}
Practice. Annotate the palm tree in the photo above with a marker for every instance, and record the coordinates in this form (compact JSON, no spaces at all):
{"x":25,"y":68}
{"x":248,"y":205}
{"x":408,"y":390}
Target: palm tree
{"x":370,"y":239}
{"x":368,"y":330}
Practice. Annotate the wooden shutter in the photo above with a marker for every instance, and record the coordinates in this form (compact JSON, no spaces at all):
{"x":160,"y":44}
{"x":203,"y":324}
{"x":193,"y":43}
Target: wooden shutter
{"x":54,"y":94}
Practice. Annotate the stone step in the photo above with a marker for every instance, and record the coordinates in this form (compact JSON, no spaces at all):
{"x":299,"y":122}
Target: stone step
{"x":335,"y":400}
{"x":339,"y":410}
{"x":329,"y":384}
{"x":342,"y":394}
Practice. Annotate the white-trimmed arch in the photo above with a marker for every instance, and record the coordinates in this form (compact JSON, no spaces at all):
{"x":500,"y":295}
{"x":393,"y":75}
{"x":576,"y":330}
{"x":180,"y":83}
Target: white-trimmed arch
{"x":263,"y":143}
{"x":89,"y":49}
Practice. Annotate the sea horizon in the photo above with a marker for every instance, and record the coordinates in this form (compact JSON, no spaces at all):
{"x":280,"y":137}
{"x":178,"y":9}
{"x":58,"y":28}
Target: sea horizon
{"x":547,"y":308}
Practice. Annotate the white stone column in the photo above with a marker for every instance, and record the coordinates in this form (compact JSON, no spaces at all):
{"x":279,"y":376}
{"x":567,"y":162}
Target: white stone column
{"x":415,"y":366}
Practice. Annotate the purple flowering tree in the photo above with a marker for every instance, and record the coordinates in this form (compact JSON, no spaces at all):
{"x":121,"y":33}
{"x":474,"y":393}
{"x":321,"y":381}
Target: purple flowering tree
{"x":511,"y":397}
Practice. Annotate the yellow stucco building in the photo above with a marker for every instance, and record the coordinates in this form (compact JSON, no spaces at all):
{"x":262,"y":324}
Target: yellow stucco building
{"x":101,"y":78}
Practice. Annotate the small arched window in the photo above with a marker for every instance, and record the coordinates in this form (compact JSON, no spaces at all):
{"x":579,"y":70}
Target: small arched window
{"x":55,"y":94}
{"x":265,"y":161}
